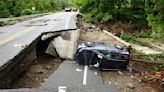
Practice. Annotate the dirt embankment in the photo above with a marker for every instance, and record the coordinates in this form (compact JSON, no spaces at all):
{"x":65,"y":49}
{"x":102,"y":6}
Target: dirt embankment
{"x":119,"y":27}
{"x":99,"y":37}
{"x":38,"y":72}
{"x":126,"y":81}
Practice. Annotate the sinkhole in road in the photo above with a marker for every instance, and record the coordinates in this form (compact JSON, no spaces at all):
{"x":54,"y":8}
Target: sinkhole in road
{"x":40,"y":69}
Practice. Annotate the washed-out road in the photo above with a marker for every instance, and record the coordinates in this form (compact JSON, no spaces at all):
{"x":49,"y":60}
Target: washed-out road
{"x":69,"y":77}
{"x":14,"y":36}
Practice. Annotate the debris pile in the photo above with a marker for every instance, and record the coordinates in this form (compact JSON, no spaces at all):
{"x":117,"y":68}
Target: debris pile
{"x":155,"y":77}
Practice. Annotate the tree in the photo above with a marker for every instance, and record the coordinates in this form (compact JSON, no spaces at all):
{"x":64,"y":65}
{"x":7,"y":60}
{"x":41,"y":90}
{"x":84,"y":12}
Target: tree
{"x":4,"y":12}
{"x":21,"y":7}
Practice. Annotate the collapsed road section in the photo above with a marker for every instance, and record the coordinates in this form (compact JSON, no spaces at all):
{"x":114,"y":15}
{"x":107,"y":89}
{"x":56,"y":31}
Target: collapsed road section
{"x":62,"y":44}
{"x":19,"y":47}
{"x":67,"y":60}
{"x":12,"y":69}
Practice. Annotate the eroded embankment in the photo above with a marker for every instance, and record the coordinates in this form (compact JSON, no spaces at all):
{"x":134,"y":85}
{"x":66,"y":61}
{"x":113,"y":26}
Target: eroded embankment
{"x":51,"y":47}
{"x":126,"y":81}
{"x":11,"y":71}
{"x":40,"y":69}
{"x":31,"y":58}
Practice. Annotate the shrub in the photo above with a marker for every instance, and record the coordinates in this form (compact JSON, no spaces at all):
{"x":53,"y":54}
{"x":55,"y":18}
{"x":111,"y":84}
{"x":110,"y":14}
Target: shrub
{"x":127,"y":37}
{"x":27,"y":11}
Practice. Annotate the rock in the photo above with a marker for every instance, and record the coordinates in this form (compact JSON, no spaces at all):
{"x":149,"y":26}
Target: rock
{"x":140,"y":80}
{"x":121,"y":73}
{"x":132,"y":76}
{"x":116,"y":83}
{"x":110,"y":83}
{"x":48,"y":67}
{"x":130,"y":85}
{"x":93,"y":26}
{"x":40,"y":71}
{"x":43,"y":80}
{"x":130,"y":69}
{"x":162,"y":80}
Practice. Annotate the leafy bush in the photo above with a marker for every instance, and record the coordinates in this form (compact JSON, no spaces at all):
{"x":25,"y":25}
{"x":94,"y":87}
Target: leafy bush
{"x":144,"y":34}
{"x":159,"y":68}
{"x":107,"y":17}
{"x":127,"y":37}
{"x":27,"y":12}
{"x":155,"y":57}
{"x":4,"y":12}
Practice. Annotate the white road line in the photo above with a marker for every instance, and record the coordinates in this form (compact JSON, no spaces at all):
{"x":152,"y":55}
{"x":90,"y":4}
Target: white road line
{"x":62,"y":89}
{"x":68,"y":21}
{"x":85,"y":75}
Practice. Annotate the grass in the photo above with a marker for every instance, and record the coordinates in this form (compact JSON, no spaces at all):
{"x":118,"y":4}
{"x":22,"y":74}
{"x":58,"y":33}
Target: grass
{"x":152,"y":57}
{"x":127,"y":37}
{"x":11,"y":22}
{"x":159,"y":67}
{"x":158,"y":42}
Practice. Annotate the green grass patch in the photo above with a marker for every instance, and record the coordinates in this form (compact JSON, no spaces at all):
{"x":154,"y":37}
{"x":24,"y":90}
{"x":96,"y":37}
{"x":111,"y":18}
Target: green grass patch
{"x":159,"y":67}
{"x":11,"y":22}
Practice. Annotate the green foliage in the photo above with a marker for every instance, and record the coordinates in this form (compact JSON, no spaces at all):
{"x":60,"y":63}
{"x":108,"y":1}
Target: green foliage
{"x":4,"y":12}
{"x":155,"y":57}
{"x":159,"y":68}
{"x":24,"y":7}
{"x":127,"y":37}
{"x":27,"y":12}
{"x":155,"y":19}
{"x":144,"y":34}
{"x":11,"y":22}
{"x":106,"y":10}
{"x":106,"y":18}
{"x":143,"y":12}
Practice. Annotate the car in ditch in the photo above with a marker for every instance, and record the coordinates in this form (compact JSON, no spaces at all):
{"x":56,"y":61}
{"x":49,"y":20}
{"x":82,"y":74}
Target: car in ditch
{"x":101,"y":56}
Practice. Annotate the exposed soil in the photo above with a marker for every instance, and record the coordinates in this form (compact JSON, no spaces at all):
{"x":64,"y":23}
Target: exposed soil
{"x":99,"y":37}
{"x":37,"y":73}
{"x":136,"y":80}
{"x":126,"y":81}
{"x":119,"y":27}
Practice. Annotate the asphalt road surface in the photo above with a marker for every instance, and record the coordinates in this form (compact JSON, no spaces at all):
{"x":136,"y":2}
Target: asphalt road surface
{"x":14,"y":36}
{"x":77,"y":78}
